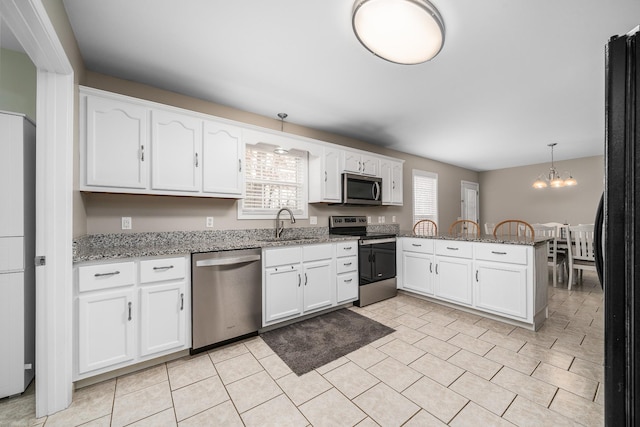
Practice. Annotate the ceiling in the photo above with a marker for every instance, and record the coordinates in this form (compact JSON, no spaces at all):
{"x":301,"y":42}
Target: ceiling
{"x":512,"y":77}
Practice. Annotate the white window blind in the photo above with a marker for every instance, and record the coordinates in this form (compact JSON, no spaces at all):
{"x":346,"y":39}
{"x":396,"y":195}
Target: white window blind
{"x":425,"y":196}
{"x":273,"y":181}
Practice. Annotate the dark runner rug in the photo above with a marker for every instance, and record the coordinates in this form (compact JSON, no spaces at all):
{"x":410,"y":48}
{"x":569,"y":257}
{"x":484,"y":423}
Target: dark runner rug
{"x":314,"y":342}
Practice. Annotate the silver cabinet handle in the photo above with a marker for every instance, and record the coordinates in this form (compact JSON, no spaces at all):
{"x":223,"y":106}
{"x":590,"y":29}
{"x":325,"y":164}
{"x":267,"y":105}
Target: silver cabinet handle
{"x":239,"y":165}
{"x":347,"y":264}
{"x":360,"y":166}
{"x":299,"y":280}
{"x":476,"y":275}
{"x":129,"y":304}
{"x":498,"y":253}
{"x":348,"y":248}
{"x":452,"y":249}
{"x":348,"y":280}
{"x":416,"y":245}
{"x":165,"y":267}
{"x":430,"y":267}
{"x":305,"y":279}
{"x":196,"y":159}
{"x":436,"y":268}
{"x":325,"y":176}
{"x":181,"y":302}
{"x":142,"y":153}
{"x":393,"y":185}
{"x":112,"y":273}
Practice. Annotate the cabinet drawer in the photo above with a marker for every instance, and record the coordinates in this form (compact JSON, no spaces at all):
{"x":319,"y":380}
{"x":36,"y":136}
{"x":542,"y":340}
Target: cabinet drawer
{"x":156,"y":270}
{"x":317,"y":252}
{"x":104,"y":276}
{"x":347,"y":287}
{"x":514,"y":254}
{"x":345,"y":265}
{"x":424,"y":246}
{"x":349,"y":248}
{"x":281,"y":256}
{"x":454,"y":248}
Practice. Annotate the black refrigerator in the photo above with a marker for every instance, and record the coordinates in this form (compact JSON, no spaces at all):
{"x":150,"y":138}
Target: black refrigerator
{"x":620,"y":216}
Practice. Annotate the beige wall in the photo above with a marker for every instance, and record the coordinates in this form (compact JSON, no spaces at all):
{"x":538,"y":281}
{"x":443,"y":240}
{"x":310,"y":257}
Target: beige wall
{"x":507,"y":193}
{"x":17,"y":83}
{"x":162,"y":213}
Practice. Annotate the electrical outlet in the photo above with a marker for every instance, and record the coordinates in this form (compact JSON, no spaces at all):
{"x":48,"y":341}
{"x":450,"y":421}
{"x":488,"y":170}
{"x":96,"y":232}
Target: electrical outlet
{"x":313,"y":220}
{"x":126,"y":223}
{"x":384,"y":219}
{"x":209,"y":221}
{"x":393,"y":219}
{"x":368,"y":220}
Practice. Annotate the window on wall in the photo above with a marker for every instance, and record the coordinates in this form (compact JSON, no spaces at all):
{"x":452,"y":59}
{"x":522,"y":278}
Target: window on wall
{"x":273,"y":181}
{"x":425,"y":196}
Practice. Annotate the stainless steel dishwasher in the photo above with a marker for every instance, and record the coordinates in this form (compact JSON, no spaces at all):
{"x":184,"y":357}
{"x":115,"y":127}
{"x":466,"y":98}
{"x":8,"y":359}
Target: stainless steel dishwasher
{"x":226,"y":296}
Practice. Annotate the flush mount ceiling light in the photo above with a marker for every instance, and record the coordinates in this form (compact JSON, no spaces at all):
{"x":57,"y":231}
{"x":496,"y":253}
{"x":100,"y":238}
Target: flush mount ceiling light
{"x":281,"y":150}
{"x":400,"y":31}
{"x":553,"y":178}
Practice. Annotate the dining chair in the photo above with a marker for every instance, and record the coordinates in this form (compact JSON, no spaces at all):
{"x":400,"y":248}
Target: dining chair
{"x":562,"y":229}
{"x":555,"y":258}
{"x":425,"y":227}
{"x":514,"y":227}
{"x":581,"y":255}
{"x":488,"y":227}
{"x":464,"y":227}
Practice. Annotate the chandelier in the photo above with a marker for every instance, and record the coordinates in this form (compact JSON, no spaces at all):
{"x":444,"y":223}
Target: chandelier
{"x":553,"y":178}
{"x":400,"y":31}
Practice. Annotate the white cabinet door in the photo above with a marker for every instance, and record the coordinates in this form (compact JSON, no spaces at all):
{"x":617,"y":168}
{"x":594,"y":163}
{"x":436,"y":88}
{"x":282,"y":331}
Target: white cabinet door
{"x":417,"y":272}
{"x":283,"y":292}
{"x":331,"y":191}
{"x":106,"y":328}
{"x":317,"y":284}
{"x":162,"y":317}
{"x":370,"y":165}
{"x":351,"y":162}
{"x":117,"y":144}
{"x":222,"y":160}
{"x":391,"y":173}
{"x":453,"y":279}
{"x":502,"y":288}
{"x":12,"y":334}
{"x":176,"y":159}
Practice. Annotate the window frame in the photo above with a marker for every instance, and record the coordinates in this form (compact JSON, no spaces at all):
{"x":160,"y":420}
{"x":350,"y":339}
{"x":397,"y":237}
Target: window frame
{"x":430,"y":175}
{"x":303,"y":212}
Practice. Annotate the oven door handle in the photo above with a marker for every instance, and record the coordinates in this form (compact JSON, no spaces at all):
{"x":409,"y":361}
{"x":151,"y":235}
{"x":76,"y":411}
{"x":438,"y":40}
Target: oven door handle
{"x":376,"y":241}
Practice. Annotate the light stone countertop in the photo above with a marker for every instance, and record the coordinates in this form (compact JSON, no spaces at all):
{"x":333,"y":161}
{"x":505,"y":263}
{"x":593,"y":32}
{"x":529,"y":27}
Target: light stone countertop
{"x":483,"y":238}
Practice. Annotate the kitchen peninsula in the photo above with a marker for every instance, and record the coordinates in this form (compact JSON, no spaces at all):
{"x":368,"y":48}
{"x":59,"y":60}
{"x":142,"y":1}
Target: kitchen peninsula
{"x":504,"y":279}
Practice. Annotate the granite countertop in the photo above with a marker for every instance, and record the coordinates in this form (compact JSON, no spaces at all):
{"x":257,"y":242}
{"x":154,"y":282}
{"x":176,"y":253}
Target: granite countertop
{"x":97,"y":247}
{"x":483,"y":238}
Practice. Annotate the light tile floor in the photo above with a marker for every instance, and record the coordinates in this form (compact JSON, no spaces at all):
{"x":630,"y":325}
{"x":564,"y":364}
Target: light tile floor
{"x":441,"y":367}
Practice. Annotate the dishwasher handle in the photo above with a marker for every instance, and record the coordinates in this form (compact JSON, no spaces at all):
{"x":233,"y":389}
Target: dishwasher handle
{"x":212,"y":262}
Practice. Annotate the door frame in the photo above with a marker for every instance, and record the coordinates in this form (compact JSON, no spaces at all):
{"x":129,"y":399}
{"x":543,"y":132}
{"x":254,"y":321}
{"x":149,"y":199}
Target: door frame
{"x":30,"y":24}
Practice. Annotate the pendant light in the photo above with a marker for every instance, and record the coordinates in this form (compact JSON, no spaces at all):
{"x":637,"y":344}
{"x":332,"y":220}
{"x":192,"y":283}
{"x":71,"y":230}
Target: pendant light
{"x":401,"y":31}
{"x":553,"y":178}
{"x":281,"y":150}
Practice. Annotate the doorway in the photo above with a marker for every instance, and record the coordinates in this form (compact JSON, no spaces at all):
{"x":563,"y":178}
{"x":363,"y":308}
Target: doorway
{"x":469,"y":200}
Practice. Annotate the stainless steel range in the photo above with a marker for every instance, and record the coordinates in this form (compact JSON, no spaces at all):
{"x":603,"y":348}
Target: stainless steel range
{"x":377,"y":258}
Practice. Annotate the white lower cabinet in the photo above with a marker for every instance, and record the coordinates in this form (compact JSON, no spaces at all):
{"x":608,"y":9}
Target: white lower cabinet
{"x":283,"y":296}
{"x":501,"y":288}
{"x":299,"y":280}
{"x":106,"y":329}
{"x":130,"y":311}
{"x":507,"y":280}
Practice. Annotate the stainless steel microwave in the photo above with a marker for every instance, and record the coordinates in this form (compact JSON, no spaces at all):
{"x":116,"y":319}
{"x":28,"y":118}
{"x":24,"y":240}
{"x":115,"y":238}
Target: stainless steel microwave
{"x":361,"y":190}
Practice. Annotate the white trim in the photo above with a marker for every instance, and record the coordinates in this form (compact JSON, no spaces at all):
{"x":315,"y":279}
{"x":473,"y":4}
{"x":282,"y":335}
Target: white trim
{"x":32,"y":27}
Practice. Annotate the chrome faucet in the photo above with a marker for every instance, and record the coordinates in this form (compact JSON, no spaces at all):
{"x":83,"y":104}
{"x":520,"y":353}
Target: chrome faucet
{"x":280,"y":224}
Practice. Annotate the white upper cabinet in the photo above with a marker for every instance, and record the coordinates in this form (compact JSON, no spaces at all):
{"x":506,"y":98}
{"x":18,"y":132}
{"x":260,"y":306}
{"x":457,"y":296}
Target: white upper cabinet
{"x":176,"y":146}
{"x":222,"y":160}
{"x":116,"y":144}
{"x":391,"y":172}
{"x":361,"y":163}
{"x":324,"y":176}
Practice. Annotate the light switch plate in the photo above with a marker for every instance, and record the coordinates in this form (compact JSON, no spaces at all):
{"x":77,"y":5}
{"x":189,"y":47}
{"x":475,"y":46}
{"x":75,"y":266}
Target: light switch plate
{"x":313,"y":220}
{"x":368,"y":220}
{"x":209,"y":221}
{"x":393,"y":218}
{"x":126,"y":223}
